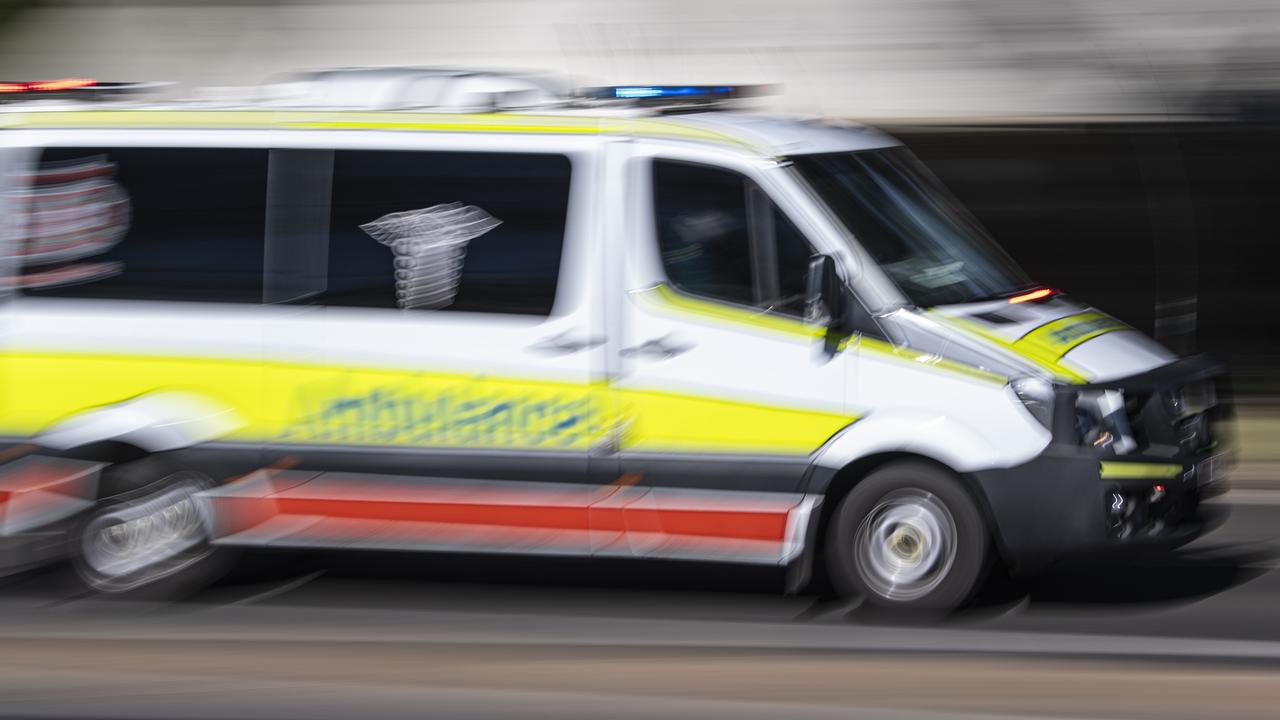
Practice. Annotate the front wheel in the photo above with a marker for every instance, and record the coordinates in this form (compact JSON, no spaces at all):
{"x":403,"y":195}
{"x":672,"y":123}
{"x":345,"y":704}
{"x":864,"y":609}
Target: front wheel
{"x":908,"y":536}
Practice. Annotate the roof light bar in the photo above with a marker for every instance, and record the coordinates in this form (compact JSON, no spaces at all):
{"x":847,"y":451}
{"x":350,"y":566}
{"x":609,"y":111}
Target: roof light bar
{"x":64,"y":84}
{"x":47,"y":85}
{"x":85,"y":88}
{"x":669,"y":93}
{"x":650,"y":91}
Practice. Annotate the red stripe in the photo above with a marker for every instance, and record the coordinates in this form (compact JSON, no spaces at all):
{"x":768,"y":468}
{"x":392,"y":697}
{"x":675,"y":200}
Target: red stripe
{"x":748,"y":525}
{"x":469,"y":508}
{"x":567,"y":518}
{"x":737,"y":525}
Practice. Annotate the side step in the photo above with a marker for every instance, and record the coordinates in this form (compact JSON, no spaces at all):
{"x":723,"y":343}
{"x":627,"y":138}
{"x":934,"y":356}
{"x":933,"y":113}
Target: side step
{"x":292,"y":508}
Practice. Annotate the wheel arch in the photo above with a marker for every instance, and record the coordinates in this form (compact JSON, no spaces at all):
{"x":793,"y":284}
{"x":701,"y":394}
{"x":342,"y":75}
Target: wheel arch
{"x":833,"y":486}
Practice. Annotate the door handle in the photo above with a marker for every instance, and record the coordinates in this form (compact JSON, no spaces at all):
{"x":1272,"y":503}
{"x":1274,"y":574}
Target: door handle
{"x":663,"y":348}
{"x":566,"y":344}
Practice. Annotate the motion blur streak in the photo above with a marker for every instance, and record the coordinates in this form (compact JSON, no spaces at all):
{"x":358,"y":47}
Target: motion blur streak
{"x":868,"y":58}
{"x":395,"y":679}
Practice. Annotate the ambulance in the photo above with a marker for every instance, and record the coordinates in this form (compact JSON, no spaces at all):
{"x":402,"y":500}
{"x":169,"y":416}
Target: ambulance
{"x":446,"y":311}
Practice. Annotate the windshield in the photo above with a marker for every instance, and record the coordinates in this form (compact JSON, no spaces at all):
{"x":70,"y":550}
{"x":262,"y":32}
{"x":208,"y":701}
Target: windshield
{"x":934,"y":250}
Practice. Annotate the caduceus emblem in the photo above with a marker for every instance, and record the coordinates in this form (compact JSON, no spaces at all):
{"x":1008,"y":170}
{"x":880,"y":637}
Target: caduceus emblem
{"x":430,"y":246}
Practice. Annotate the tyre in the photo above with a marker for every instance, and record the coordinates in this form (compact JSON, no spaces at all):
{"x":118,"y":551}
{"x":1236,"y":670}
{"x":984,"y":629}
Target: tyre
{"x":908,"y":536}
{"x":149,"y":529}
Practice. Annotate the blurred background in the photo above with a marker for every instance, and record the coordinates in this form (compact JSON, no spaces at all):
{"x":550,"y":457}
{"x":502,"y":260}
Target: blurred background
{"x":1127,"y":151}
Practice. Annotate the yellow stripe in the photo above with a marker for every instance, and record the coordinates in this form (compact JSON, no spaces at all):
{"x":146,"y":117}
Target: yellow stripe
{"x":398,"y":121}
{"x":268,"y":119}
{"x":670,"y":422}
{"x":1139,"y":471}
{"x":664,"y":298}
{"x":673,"y":131}
{"x":326,"y":404}
{"x":927,"y":360}
{"x":1034,"y":353}
{"x":1061,"y":336}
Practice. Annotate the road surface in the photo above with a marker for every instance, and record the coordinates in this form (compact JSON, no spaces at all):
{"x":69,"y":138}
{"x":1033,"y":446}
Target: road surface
{"x":1194,"y":635}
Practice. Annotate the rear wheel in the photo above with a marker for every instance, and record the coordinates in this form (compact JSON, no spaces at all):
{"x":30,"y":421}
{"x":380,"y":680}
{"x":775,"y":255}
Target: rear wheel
{"x":151,"y":529}
{"x":908,"y":536}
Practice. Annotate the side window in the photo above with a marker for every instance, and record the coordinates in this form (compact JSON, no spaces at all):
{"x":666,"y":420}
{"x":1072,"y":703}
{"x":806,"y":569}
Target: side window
{"x":722,"y":238}
{"x":479,"y":232}
{"x":793,"y":255}
{"x":177,"y":224}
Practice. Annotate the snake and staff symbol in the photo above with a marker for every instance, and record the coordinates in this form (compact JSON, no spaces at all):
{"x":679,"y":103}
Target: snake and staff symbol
{"x":430,"y":246}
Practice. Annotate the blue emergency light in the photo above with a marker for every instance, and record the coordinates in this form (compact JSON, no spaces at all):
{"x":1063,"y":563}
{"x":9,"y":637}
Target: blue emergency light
{"x":669,"y":91}
{"x":673,"y":93}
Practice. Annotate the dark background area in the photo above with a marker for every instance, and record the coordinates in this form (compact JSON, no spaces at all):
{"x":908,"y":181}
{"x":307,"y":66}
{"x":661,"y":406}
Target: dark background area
{"x":1125,"y":215}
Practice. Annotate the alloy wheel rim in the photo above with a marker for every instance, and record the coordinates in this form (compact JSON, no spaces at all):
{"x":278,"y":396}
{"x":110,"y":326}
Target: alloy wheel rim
{"x":138,"y":542}
{"x":906,"y":546}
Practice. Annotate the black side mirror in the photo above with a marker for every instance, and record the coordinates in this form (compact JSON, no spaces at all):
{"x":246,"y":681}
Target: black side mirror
{"x":823,"y":297}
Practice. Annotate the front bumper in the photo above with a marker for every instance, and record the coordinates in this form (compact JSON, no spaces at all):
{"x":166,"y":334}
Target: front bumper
{"x":1074,"y":500}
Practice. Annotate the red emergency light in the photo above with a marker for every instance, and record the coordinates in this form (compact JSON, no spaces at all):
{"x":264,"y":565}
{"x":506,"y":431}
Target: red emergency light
{"x":78,"y":88}
{"x":47,"y":85}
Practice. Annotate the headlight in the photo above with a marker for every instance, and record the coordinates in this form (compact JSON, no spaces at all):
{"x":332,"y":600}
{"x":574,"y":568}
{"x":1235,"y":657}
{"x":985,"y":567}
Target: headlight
{"x":1037,"y":397}
{"x":1101,"y":421}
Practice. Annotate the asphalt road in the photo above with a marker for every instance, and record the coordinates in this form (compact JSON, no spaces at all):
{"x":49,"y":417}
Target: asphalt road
{"x":1192,"y":635}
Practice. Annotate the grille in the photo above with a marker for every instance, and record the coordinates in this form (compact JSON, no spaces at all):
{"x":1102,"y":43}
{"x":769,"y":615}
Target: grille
{"x":1190,"y":408}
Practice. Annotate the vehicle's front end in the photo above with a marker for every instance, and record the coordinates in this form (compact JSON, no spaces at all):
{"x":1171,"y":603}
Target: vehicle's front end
{"x":1130,"y":461}
{"x":1136,"y":437}
{"x":1139,"y":436}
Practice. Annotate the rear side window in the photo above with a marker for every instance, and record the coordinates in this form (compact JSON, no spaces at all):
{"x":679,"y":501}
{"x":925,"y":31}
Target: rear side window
{"x":478,"y":232}
{"x":176,"y":224}
{"x":722,"y":238}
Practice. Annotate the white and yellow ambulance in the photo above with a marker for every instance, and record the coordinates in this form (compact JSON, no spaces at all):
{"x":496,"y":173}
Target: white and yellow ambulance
{"x":463,"y":313}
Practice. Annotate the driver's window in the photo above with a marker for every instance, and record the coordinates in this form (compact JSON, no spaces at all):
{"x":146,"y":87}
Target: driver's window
{"x":722,"y":238}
